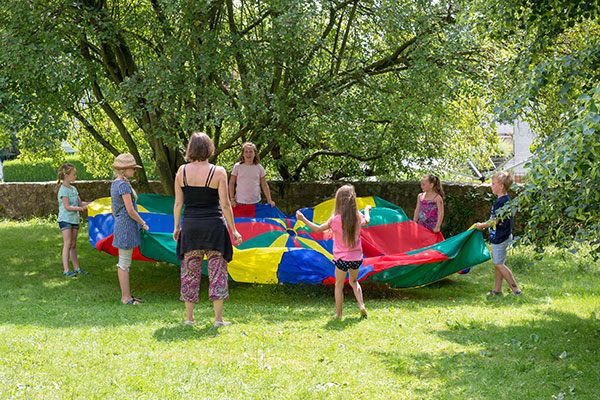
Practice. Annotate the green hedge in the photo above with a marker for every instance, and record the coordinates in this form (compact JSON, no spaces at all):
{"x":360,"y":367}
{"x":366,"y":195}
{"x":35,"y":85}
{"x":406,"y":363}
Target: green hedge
{"x":43,"y":171}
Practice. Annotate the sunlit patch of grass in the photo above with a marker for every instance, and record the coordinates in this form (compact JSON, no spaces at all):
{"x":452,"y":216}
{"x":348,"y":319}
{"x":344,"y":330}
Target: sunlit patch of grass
{"x":71,"y":338}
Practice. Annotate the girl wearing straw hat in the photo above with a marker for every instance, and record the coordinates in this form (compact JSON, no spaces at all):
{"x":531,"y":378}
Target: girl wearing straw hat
{"x":126,"y":231}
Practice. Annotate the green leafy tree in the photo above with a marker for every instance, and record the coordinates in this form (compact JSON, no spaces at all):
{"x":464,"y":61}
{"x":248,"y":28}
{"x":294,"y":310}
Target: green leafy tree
{"x":326,"y":89}
{"x":551,"y":79}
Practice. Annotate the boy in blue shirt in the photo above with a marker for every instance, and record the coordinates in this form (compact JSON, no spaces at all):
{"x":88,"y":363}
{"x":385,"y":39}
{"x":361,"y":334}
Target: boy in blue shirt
{"x":500,"y":234}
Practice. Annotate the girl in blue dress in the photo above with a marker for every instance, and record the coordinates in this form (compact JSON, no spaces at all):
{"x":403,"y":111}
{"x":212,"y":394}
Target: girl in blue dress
{"x":126,"y":229}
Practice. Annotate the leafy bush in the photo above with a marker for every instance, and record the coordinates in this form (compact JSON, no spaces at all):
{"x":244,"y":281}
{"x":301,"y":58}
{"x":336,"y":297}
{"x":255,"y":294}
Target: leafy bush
{"x":42,"y":171}
{"x":461,"y":214}
{"x":562,"y":191}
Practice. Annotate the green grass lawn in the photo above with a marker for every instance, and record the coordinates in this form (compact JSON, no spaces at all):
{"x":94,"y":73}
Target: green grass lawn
{"x":71,"y":338}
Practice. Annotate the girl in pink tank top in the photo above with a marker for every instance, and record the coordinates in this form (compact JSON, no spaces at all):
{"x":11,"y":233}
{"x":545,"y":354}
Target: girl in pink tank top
{"x":347,"y":250}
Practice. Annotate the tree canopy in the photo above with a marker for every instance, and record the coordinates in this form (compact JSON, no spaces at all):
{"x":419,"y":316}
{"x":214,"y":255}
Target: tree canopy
{"x":326,"y":89}
{"x":552,"y":79}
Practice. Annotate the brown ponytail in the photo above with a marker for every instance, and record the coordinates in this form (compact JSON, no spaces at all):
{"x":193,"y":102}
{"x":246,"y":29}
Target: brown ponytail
{"x":64,"y":169}
{"x":437,"y":184}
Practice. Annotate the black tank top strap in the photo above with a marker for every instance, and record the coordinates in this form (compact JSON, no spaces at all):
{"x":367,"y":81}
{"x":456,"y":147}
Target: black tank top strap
{"x":184,"y":178}
{"x":210,"y":175}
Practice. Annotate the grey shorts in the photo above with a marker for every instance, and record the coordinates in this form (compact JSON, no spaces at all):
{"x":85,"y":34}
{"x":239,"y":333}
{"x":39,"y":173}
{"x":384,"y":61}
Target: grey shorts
{"x":499,"y":251}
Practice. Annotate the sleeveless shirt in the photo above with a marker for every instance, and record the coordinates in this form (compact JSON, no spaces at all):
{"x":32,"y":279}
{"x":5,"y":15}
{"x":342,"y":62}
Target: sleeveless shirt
{"x":203,"y":227}
{"x":428,"y":213}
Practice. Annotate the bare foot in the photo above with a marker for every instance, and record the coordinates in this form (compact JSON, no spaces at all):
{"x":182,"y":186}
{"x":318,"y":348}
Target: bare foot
{"x":337,"y":316}
{"x":363,"y":312}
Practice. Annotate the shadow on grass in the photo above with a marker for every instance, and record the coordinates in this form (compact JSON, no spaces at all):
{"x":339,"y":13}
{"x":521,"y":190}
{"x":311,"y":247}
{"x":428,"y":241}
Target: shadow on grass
{"x":497,"y":361}
{"x":35,"y":293}
{"x":32,"y":290}
{"x":184,"y":332}
{"x":337,"y":324}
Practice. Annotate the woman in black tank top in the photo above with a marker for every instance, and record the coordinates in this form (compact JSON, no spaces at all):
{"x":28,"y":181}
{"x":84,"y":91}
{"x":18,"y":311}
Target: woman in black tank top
{"x":204,"y":229}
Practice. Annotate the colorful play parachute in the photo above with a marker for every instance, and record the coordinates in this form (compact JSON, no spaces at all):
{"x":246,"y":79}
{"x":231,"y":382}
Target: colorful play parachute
{"x":277,"y":248}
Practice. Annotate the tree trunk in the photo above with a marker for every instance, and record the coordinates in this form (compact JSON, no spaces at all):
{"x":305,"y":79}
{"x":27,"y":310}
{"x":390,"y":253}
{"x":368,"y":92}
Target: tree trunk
{"x":163,"y":165}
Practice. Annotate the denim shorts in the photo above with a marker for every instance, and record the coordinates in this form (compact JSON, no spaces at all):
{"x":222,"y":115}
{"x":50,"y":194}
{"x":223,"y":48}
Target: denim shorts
{"x":67,"y":225}
{"x":499,"y":251}
{"x":346,"y":265}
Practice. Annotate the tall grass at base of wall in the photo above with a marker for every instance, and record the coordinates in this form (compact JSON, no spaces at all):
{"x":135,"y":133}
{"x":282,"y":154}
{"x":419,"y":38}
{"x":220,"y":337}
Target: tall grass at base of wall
{"x":43,"y":171}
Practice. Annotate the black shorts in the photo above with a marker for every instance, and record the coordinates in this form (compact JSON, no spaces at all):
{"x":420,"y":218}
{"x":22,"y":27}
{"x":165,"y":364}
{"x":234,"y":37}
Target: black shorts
{"x":346,"y":265}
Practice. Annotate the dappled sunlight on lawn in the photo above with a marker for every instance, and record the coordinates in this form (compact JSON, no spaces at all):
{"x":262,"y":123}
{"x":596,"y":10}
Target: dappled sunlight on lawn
{"x":446,"y":340}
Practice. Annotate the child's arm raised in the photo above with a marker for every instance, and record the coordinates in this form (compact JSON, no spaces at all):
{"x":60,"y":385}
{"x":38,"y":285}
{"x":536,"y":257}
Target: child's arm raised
{"x":312,"y":225}
{"x":368,"y":214}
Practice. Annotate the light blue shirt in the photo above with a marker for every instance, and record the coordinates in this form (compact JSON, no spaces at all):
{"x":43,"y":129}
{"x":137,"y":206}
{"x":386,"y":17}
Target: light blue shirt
{"x":65,"y":215}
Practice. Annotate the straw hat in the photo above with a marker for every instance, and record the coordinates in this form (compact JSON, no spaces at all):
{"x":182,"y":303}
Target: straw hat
{"x":124,"y":161}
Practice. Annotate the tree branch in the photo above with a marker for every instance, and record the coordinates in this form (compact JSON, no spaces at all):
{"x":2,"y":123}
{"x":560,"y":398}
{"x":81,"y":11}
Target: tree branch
{"x":335,"y":41}
{"x":160,"y":15}
{"x":345,"y":39}
{"x":232,"y":139}
{"x":239,"y":58}
{"x":157,"y":48}
{"x":391,"y":60}
{"x":387,"y":70}
{"x":90,"y":128}
{"x":108,"y":110}
{"x":328,"y":28}
{"x":255,"y":23}
{"x":116,"y":120}
{"x":309,"y":159}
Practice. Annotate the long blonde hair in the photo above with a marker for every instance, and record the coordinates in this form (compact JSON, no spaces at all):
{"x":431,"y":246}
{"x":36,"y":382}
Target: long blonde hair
{"x":64,"y":169}
{"x":345,"y":205}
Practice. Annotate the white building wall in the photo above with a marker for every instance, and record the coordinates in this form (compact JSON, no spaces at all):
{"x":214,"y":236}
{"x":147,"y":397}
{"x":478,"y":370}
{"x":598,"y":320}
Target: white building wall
{"x":523,"y":138}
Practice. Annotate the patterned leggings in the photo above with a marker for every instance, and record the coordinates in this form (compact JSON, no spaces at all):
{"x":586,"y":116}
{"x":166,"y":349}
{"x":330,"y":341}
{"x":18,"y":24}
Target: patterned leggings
{"x":191,"y":272}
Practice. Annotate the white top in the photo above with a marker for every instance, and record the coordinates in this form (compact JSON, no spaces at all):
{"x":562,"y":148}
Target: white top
{"x":247,"y":185}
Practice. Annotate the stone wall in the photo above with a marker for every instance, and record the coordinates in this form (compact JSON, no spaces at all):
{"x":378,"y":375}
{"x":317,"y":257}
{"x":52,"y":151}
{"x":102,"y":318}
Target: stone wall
{"x":464,"y":205}
{"x":39,"y":199}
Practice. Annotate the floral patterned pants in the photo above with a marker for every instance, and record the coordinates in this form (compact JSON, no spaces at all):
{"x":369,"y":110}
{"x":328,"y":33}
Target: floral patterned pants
{"x":191,"y":272}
